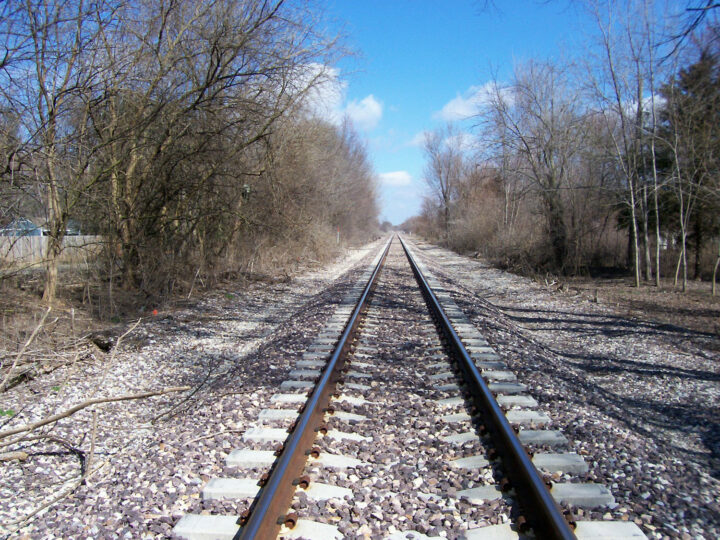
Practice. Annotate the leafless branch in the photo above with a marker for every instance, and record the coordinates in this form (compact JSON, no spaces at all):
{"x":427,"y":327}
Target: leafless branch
{"x":72,"y":410}
{"x":20,"y":353}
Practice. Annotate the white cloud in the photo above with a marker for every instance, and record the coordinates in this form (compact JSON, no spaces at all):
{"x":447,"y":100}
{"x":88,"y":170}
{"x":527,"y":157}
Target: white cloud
{"x":459,"y":108}
{"x":366,"y":113}
{"x":418,"y":139}
{"x":396,"y":178}
{"x":326,"y":96}
{"x":469,"y":103}
{"x":463,"y":140}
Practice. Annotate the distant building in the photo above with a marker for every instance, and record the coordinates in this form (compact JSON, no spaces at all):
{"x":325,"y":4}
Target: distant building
{"x":22,"y":227}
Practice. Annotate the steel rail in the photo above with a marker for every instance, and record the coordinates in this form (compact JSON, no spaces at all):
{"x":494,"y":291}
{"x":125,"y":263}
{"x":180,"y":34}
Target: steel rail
{"x":268,"y":512}
{"x":543,"y":513}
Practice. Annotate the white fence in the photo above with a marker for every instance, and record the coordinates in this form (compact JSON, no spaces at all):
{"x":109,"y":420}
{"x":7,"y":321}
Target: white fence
{"x":29,"y":250}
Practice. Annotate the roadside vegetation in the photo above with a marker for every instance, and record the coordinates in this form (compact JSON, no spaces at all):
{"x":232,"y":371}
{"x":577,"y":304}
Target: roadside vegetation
{"x":181,"y":133}
{"x":152,"y":149}
{"x":607,"y":164}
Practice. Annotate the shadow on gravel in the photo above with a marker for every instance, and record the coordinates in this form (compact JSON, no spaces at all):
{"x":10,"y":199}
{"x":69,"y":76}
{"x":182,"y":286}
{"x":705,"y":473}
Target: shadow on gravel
{"x":643,"y":414}
{"x":667,"y":401}
{"x":612,"y":325}
{"x":646,"y":389}
{"x":257,"y":357}
{"x":697,"y":414}
{"x":606,"y":365}
{"x":650,"y":307}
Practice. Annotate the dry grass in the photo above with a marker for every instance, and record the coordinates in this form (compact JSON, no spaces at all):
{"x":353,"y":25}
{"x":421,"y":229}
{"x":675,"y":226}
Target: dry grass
{"x":58,"y":339}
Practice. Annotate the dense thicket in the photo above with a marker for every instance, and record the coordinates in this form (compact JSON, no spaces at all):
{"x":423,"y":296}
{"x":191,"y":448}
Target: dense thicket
{"x":612,"y":163}
{"x":181,"y":132}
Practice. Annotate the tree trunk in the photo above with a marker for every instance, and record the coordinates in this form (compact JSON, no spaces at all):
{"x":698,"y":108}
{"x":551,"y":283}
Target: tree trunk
{"x":635,"y":246}
{"x":629,"y":248}
{"x":52,"y":255}
{"x":556,"y":229}
{"x":685,"y":269}
{"x":447,"y":223}
{"x":717,"y":263}
{"x":126,"y":222}
{"x":682,"y":260}
{"x":646,"y":234}
{"x":683,"y":234}
{"x":633,"y":249}
{"x":657,"y":234}
{"x":698,"y":233}
{"x":56,"y":223}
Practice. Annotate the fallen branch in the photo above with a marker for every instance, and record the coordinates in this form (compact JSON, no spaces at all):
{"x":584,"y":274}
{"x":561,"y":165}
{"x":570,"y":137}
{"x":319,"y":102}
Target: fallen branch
{"x":19,"y":355}
{"x":85,"y":404}
{"x":12,"y":456}
{"x":89,"y":457}
{"x":54,"y":438}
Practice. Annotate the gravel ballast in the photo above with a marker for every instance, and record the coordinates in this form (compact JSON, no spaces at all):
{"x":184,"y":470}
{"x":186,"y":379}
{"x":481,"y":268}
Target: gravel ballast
{"x":639,"y":400}
{"x":406,"y":482}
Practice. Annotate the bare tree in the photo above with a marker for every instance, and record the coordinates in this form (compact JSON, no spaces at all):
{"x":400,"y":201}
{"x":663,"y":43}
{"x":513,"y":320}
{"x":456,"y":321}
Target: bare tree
{"x":154,"y":121}
{"x":48,"y":78}
{"x":536,"y":121}
{"x":619,"y":83}
{"x":692,"y":136}
{"x":697,"y":14}
{"x":444,"y":169}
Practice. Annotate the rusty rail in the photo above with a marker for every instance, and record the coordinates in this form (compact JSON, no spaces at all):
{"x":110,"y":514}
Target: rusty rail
{"x":542,"y":512}
{"x":268,"y":512}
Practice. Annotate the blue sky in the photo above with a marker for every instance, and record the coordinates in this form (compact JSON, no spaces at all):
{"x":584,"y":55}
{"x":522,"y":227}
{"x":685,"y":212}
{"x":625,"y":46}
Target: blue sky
{"x":421,"y":61}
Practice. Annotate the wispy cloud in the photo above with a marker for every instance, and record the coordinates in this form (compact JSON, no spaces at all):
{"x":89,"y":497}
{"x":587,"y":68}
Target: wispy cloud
{"x":326,"y":94}
{"x":366,"y":113}
{"x":396,"y":178}
{"x":467,"y":104}
{"x":418,"y":139}
{"x":463,"y":141}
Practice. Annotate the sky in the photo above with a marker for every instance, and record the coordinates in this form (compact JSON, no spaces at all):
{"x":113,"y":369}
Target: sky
{"x":420,"y":63}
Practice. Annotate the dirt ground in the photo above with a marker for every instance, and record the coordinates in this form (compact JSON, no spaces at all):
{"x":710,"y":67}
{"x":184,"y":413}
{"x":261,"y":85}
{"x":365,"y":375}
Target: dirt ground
{"x":696,"y":309}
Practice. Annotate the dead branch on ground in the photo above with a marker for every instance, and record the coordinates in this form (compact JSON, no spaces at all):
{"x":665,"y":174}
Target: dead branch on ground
{"x":21,"y":352}
{"x":72,"y":410}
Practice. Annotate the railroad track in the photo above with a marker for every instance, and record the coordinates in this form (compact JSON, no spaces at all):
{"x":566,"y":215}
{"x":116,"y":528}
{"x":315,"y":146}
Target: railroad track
{"x":401,"y":421}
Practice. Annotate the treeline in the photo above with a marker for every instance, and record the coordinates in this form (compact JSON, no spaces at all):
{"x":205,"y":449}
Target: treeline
{"x":182,"y":132}
{"x":609,"y":162}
